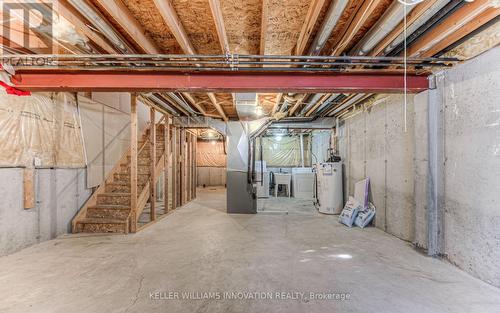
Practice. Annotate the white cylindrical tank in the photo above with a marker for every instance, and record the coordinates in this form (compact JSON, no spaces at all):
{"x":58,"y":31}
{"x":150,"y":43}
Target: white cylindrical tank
{"x":329,"y":188}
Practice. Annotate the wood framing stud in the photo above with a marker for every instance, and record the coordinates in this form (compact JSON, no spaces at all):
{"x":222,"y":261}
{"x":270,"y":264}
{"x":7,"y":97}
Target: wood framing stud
{"x":175,"y":166}
{"x":133,"y":163}
{"x":29,"y":188}
{"x":152,"y":174}
{"x":166,"y":170}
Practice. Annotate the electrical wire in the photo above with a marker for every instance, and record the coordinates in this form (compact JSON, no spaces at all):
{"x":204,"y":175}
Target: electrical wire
{"x":405,"y":61}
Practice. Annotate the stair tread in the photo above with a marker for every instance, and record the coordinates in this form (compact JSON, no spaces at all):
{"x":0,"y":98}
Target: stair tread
{"x":115,"y":194}
{"x":110,"y":206}
{"x":95,"y":220}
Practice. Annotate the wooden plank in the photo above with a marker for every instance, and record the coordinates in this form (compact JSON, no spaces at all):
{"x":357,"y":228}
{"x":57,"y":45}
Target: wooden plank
{"x":297,"y":105}
{"x":359,"y":19}
{"x":170,"y":17}
{"x":277,"y":103}
{"x":219,"y":24}
{"x":317,"y":104}
{"x":120,"y":13}
{"x":311,"y":19}
{"x":166,"y":170}
{"x":410,"y":19}
{"x":152,"y":175}
{"x":195,"y":143}
{"x":211,"y":95}
{"x":29,"y":188}
{"x":462,"y":22}
{"x":183,"y":166}
{"x":263,"y":26}
{"x":175,"y":177}
{"x":188,"y":167}
{"x":73,"y":17}
{"x":133,"y":163}
{"x":190,"y":98}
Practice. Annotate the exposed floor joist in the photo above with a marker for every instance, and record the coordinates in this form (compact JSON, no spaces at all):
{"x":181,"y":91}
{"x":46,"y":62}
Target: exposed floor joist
{"x":172,"y":20}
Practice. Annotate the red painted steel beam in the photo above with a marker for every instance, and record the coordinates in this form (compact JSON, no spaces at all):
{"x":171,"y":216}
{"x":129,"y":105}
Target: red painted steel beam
{"x":218,"y":82}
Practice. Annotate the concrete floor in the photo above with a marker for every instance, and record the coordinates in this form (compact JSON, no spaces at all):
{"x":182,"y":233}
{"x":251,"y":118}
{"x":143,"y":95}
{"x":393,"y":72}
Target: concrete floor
{"x":200,"y":248}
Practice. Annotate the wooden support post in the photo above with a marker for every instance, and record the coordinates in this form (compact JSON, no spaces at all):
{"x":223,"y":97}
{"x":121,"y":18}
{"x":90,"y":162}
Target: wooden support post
{"x":133,"y":163}
{"x":178,"y":172}
{"x":29,"y":188}
{"x":194,"y":166}
{"x":188,"y":167}
{"x":152,"y":176}
{"x":166,"y":170}
{"x":175,"y":178}
{"x":195,"y":185}
{"x":183,"y":167}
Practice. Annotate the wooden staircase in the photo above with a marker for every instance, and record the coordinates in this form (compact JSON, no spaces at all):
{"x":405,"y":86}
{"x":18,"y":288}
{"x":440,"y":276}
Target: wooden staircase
{"x":109,"y":210}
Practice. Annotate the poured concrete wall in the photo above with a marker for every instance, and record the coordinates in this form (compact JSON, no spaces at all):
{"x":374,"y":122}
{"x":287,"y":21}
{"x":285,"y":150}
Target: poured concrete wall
{"x":374,"y":144}
{"x":59,"y":194}
{"x":379,"y":147}
{"x":472,"y":167}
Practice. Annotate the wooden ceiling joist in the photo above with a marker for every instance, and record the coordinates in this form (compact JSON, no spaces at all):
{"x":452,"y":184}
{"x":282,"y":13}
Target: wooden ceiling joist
{"x":277,"y":103}
{"x":170,"y":17}
{"x":219,"y":24}
{"x":478,"y":21}
{"x":361,"y":16}
{"x":194,"y":103}
{"x":460,"y":23}
{"x":70,"y":14}
{"x":311,"y":19}
{"x":410,"y":19}
{"x":120,"y":13}
{"x":217,"y":106}
{"x":263,"y":26}
{"x":297,"y":104}
{"x":318,"y":103}
{"x":172,"y":20}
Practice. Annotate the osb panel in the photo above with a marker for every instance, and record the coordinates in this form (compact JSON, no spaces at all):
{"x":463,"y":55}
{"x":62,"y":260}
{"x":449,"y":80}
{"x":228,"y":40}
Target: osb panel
{"x":477,"y":44}
{"x":342,"y":24}
{"x":284,"y":22}
{"x":146,"y":13}
{"x":374,"y":17}
{"x":242,"y":20}
{"x":197,"y":19}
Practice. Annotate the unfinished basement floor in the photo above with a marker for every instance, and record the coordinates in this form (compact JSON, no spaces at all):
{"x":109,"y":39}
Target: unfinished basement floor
{"x":200,"y":248}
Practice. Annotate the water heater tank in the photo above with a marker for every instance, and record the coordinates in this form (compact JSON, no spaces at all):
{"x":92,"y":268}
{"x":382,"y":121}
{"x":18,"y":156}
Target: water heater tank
{"x":329,"y":199}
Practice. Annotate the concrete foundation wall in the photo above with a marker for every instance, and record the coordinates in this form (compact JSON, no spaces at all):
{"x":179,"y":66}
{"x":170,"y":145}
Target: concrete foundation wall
{"x":59,"y":194}
{"x":374,"y":144}
{"x":472,"y":167}
{"x":378,"y":147}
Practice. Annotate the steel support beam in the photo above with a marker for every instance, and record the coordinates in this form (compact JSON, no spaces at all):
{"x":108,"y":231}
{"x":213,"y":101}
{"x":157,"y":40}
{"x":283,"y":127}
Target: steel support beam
{"x":218,"y":82}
